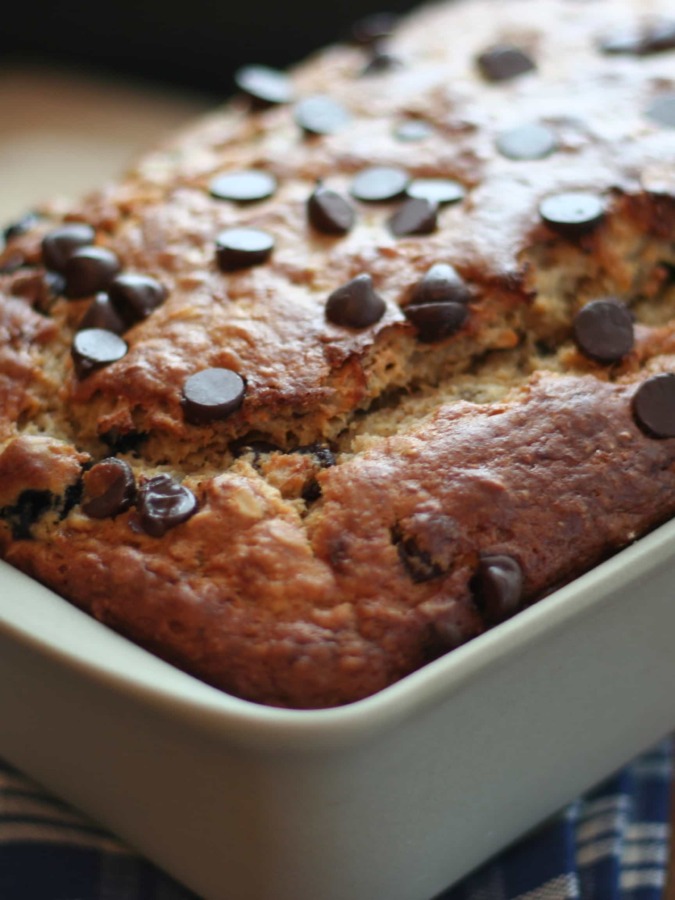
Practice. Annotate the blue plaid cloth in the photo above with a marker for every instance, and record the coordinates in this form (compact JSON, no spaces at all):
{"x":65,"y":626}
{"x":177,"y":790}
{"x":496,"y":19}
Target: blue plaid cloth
{"x":611,"y":844}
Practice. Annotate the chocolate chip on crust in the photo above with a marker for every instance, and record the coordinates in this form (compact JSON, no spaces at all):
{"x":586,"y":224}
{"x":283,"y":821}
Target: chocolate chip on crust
{"x":164,"y":503}
{"x":109,"y":489}
{"x":355,"y":304}
{"x":60,"y":244}
{"x":603,"y":330}
{"x":498,"y":586}
{"x":654,"y":406}
{"x":212,"y":394}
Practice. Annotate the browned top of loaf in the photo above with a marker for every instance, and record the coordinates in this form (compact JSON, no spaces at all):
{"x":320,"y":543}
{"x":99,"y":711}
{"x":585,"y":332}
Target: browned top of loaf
{"x":303,"y":374}
{"x":301,"y":583}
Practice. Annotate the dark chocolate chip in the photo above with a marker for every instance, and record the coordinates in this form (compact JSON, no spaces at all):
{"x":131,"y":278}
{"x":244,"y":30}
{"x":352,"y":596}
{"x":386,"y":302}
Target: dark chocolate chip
{"x":264,"y":86}
{"x":102,"y":314}
{"x":29,"y":509}
{"x":164,"y":503}
{"x":319,"y":115}
{"x":654,"y":37}
{"x":417,"y":562}
{"x":416,"y":216}
{"x":436,"y":190}
{"x":323,"y":455}
{"x":654,"y":406}
{"x":662,"y":110}
{"x":413,"y":130}
{"x":88,"y":270}
{"x":21,"y":226}
{"x":498,"y":585}
{"x":329,"y":212}
{"x":527,"y":142}
{"x":212,"y":394}
{"x":109,"y":489}
{"x":374,"y":27}
{"x":572,"y":214}
{"x":311,"y":491}
{"x":240,"y":248}
{"x":59,"y":245}
{"x":96,"y":347}
{"x":381,"y":61}
{"x":436,"y":321}
{"x":503,"y":62}
{"x":379,"y":183}
{"x":246,"y":186}
{"x":441,"y":284}
{"x":135,"y":297}
{"x":355,"y":304}
{"x":603,"y":330}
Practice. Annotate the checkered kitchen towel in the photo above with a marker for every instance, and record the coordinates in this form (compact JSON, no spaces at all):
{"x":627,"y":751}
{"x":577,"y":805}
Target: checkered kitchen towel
{"x":610,"y":845}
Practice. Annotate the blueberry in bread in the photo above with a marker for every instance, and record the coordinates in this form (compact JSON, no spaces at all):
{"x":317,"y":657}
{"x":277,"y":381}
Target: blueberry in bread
{"x":363,"y":363}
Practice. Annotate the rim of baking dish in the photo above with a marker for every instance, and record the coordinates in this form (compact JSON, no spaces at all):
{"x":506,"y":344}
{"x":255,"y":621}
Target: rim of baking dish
{"x":39,"y":619}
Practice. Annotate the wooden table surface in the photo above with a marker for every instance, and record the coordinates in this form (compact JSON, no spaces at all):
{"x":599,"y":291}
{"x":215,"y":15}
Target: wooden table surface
{"x":64,"y":134}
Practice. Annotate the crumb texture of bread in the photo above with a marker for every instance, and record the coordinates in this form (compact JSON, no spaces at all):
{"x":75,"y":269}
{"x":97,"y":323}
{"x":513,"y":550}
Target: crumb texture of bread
{"x":482,"y":412}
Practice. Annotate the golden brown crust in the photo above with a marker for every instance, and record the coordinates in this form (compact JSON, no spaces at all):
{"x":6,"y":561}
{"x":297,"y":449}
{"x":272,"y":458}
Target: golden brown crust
{"x":345,"y":507}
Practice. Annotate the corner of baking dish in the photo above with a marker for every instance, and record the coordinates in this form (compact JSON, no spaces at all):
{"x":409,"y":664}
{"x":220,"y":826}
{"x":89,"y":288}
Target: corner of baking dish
{"x":39,"y":620}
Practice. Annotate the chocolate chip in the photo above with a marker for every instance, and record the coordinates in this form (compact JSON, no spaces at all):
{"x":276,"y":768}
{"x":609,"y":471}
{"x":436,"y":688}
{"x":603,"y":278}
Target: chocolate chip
{"x":246,"y":186}
{"x":416,"y":216}
{"x":436,"y":321}
{"x":654,"y":406}
{"x":96,"y":347}
{"x":59,"y":245}
{"x":441,"y":284}
{"x":329,"y":212}
{"x":379,"y":183}
{"x":572,"y":214}
{"x":355,"y":304}
{"x":527,"y":142}
{"x":102,"y":314}
{"x":503,"y":62}
{"x":240,"y":248}
{"x":603,"y":330}
{"x":21,"y":226}
{"x":654,"y":37}
{"x":381,"y":61}
{"x":662,"y":110}
{"x":413,"y":130}
{"x":212,"y":394}
{"x":322,"y":454}
{"x":374,"y":27}
{"x":436,"y":190}
{"x":319,"y":115}
{"x":109,"y":489}
{"x":29,"y":508}
{"x":135,"y":297}
{"x":498,"y":585}
{"x":417,"y":563}
{"x":264,"y":86}
{"x":164,"y":503}
{"x":88,"y":270}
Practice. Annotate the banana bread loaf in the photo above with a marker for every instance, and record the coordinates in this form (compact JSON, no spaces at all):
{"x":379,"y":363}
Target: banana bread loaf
{"x":364,"y":363}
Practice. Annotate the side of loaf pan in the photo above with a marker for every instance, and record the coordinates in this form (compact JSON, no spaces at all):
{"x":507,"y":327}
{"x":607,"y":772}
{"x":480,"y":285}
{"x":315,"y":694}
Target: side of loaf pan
{"x":395,"y":796}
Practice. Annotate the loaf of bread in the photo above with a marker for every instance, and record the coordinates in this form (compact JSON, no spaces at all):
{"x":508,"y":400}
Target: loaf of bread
{"x":364,"y":363}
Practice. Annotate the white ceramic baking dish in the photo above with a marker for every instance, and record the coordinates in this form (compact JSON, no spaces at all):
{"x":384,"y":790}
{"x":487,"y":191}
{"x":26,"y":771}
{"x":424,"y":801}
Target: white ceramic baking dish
{"x":392,"y":797}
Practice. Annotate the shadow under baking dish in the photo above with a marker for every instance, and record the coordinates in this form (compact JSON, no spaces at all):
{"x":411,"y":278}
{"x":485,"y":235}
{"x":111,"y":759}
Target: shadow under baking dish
{"x":394,"y":796}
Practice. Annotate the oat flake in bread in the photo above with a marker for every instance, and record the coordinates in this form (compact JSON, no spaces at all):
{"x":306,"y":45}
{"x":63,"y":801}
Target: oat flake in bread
{"x":363,"y":363}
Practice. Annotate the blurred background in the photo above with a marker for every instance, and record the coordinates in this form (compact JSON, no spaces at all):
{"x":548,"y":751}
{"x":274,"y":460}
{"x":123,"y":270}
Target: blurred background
{"x":85,"y":88}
